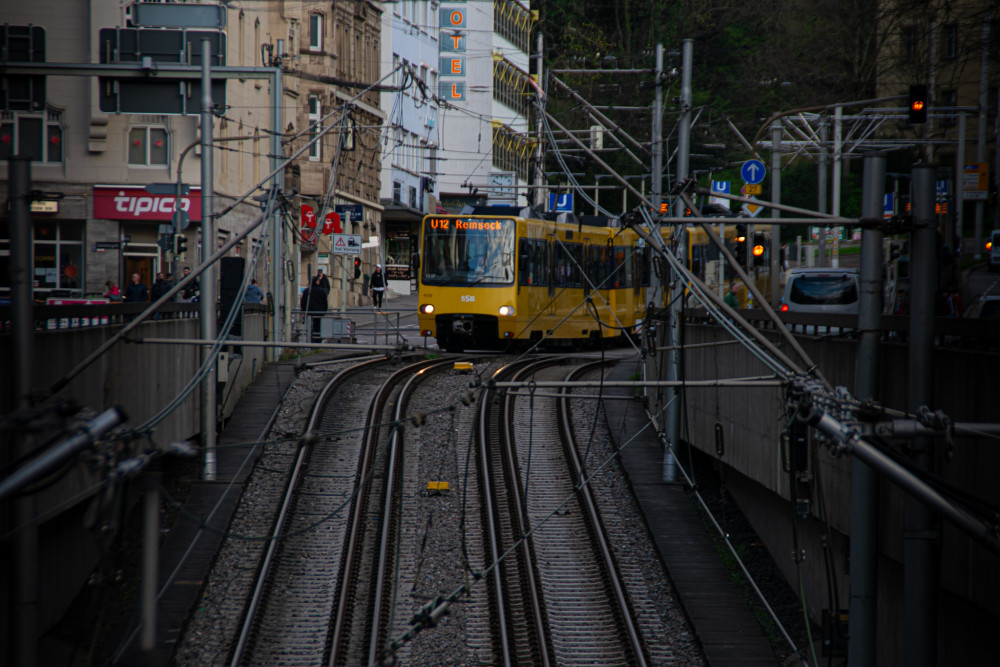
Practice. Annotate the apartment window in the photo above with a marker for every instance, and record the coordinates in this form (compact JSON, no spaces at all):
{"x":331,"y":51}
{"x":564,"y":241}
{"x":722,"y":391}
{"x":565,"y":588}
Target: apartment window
{"x":397,"y":196}
{"x":57,"y":261}
{"x":949,"y":41}
{"x":908,"y":47}
{"x":413,"y":197}
{"x":949,"y":98}
{"x":315,"y":32}
{"x":34,"y":135}
{"x":315,"y":114}
{"x":147,"y":146}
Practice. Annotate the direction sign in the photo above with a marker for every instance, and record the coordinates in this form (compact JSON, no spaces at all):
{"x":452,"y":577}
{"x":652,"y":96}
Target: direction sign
{"x":753,"y":209}
{"x":752,"y":172}
{"x":347,"y":244}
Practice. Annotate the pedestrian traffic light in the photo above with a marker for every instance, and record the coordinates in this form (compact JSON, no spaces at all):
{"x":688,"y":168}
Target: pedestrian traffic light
{"x":180,"y":244}
{"x":918,"y":104}
{"x":357,"y":268}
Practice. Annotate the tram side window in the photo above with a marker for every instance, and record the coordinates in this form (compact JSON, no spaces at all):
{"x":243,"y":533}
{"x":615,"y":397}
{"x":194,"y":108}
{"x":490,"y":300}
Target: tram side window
{"x":645,"y":266}
{"x":597,"y":266}
{"x":566,"y":260}
{"x":621,"y":268}
{"x":698,"y":253}
{"x":532,"y":263}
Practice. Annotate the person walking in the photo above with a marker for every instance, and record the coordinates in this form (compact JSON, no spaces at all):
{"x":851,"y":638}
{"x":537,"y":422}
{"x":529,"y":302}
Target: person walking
{"x":313,"y":302}
{"x":135,"y":291}
{"x":253,"y":293}
{"x":377,"y":284}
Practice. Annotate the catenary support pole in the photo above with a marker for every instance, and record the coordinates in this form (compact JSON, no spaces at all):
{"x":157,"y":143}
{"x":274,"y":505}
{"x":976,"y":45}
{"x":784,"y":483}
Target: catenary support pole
{"x":920,"y":534}
{"x":838,"y":174}
{"x":822,"y":188}
{"x":277,"y":305}
{"x":863,"y":607}
{"x":777,"y":131}
{"x":675,"y":360}
{"x":539,"y":199}
{"x":953,"y":235}
{"x":984,"y":85}
{"x":656,"y":196}
{"x":24,"y":582}
{"x":208,"y":309}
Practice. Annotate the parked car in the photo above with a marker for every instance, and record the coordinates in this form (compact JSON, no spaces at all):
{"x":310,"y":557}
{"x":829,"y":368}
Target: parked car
{"x":986,"y":306}
{"x":821,"y":290}
{"x":993,"y":250}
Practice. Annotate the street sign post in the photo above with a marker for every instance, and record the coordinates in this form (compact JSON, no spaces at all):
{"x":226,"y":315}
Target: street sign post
{"x":752,"y":172}
{"x":346,"y":244}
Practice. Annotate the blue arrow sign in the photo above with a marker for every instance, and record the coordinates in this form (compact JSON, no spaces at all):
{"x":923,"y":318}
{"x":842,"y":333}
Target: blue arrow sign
{"x":752,"y":172}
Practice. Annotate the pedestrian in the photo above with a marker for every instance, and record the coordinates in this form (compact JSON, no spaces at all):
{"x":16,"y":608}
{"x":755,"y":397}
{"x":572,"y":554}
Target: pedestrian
{"x":135,"y":291}
{"x":313,"y":298}
{"x":377,"y":284}
{"x":732,"y":298}
{"x":113,"y":294}
{"x":253,"y":293}
{"x":162,"y":285}
{"x":191,"y":289}
{"x":313,"y":302}
{"x":324,"y":282}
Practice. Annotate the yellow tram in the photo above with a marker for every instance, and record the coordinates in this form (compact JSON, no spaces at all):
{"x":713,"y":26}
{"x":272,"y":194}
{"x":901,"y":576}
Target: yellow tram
{"x":492,"y":281}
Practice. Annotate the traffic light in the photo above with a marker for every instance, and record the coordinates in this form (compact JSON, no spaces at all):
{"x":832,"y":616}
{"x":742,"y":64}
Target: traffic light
{"x":357,"y":268}
{"x":918,"y":104}
{"x":740,"y":245}
{"x":180,"y":244}
{"x":758,"y":249}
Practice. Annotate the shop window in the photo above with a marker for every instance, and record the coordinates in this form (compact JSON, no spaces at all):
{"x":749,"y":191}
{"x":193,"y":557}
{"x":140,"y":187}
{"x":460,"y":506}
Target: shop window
{"x":33,"y":135}
{"x":147,"y":146}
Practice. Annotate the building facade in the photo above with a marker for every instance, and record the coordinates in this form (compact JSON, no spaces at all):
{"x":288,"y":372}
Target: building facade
{"x":97,"y":214}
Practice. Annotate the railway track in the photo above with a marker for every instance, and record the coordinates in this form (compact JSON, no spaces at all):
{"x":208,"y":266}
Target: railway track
{"x":363,"y":558}
{"x":288,"y":615}
{"x":558,"y":596}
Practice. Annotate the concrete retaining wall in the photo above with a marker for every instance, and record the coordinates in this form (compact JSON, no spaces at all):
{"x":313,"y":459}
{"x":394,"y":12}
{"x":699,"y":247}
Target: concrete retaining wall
{"x":753,"y":420}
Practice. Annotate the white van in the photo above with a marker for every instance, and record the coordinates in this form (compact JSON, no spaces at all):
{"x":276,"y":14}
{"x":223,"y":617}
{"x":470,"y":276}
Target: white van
{"x":821,"y":290}
{"x":993,"y":248}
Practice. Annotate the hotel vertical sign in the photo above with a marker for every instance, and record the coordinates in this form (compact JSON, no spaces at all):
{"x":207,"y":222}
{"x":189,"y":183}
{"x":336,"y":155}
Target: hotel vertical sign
{"x":453,"y":48}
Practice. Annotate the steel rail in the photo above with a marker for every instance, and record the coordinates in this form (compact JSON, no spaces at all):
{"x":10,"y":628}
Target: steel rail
{"x":509,"y":449}
{"x":593,"y":516}
{"x":263,"y":574}
{"x":352,"y":549}
{"x":392,"y":498}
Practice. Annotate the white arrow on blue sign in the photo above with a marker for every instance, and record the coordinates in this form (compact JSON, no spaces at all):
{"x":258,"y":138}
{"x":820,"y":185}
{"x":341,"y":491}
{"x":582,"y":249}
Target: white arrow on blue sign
{"x":752,"y":172}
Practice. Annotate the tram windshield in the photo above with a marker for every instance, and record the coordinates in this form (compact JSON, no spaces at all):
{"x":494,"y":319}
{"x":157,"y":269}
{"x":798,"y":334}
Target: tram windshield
{"x":468,"y":251}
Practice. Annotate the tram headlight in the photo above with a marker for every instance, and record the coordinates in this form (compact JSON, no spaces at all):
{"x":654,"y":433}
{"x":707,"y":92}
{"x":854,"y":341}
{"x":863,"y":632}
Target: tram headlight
{"x":426,"y":308}
{"x":506,"y":311}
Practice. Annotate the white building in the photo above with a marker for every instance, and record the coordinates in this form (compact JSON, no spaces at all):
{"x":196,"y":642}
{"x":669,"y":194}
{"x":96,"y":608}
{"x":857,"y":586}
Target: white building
{"x":459,"y":132}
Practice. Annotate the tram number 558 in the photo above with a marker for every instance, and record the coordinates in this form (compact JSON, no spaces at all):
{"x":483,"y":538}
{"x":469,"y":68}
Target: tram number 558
{"x":468,"y":297}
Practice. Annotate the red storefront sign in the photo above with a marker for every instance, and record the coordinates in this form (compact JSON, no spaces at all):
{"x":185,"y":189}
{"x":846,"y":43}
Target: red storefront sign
{"x":125,"y":202}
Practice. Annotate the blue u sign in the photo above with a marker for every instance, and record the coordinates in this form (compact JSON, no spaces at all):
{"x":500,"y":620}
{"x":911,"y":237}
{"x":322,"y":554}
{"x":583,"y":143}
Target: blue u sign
{"x":561,"y":202}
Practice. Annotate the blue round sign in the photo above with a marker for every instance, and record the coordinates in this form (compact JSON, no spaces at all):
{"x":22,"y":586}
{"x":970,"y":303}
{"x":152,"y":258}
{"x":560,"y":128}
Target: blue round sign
{"x":752,"y":172}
